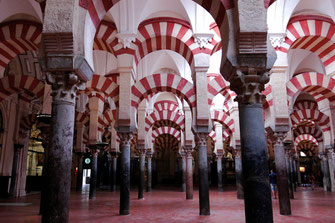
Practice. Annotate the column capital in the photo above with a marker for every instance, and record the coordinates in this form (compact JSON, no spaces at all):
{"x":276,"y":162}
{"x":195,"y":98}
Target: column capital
{"x":238,"y":153}
{"x":323,"y":156}
{"x":94,"y":150}
{"x":188,"y":150}
{"x":279,"y":138}
{"x":125,"y":138}
{"x":249,"y":84}
{"x":142,"y":152}
{"x":201,"y":137}
{"x":329,"y":151}
{"x":219,"y":156}
{"x":64,"y":86}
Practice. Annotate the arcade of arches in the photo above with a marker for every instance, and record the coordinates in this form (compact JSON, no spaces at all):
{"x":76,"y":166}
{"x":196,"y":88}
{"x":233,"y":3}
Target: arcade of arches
{"x":141,"y":94}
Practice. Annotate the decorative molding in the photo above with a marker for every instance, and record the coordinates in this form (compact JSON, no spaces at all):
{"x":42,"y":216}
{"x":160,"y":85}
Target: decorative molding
{"x":203,"y":39}
{"x":277,"y":39}
{"x":252,"y":43}
{"x":125,"y":39}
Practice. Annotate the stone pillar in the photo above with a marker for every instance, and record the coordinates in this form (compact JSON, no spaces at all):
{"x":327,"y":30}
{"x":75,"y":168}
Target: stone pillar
{"x":219,"y":169}
{"x":149,"y":183}
{"x":79,"y":184}
{"x":248,"y":83}
{"x":325,"y":171}
{"x":189,"y":172}
{"x":59,"y":158}
{"x":288,"y":160}
{"x":330,"y":153}
{"x":298,"y":171}
{"x":17,"y":151}
{"x":238,"y":172}
{"x":203,"y":173}
{"x":125,"y":140}
{"x":294,"y":171}
{"x":114,"y":170}
{"x":183,"y":167}
{"x":291,"y":175}
{"x":94,"y":171}
{"x":141,"y":185}
{"x":282,"y":176}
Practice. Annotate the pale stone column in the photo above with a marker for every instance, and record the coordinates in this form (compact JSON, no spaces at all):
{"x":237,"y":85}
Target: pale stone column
{"x":59,"y":157}
{"x":325,"y":171}
{"x":80,"y":149}
{"x":238,"y":172}
{"x":288,"y":162}
{"x":282,"y":175}
{"x":183,"y":169}
{"x":189,"y":172}
{"x":149,"y":158}
{"x":219,"y":169}
{"x":330,"y":154}
{"x":125,"y":137}
{"x":17,"y":151}
{"x":142,"y":152}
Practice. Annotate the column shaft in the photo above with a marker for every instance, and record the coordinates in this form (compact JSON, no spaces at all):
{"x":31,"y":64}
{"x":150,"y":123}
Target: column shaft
{"x":257,"y":193}
{"x":17,"y":152}
{"x":80,"y":172}
{"x":141,"y":184}
{"x":189,"y":175}
{"x":94,"y":174}
{"x":149,"y":183}
{"x":203,"y":178}
{"x":59,"y":162}
{"x":219,"y":169}
{"x":183,"y":177}
{"x":325,"y":171}
{"x":113,"y":175}
{"x":282,"y":176}
{"x":238,"y":174}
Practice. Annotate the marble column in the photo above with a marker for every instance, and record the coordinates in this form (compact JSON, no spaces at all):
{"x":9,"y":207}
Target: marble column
{"x":17,"y":151}
{"x":94,"y":171}
{"x":219,"y":169}
{"x":114,"y":170}
{"x":203,"y":173}
{"x":282,"y":175}
{"x":294,"y":171}
{"x":59,"y":158}
{"x":141,"y":185}
{"x":325,"y":171}
{"x":189,"y":172}
{"x":183,"y":169}
{"x":125,"y":141}
{"x":149,"y":180}
{"x":329,"y":152}
{"x":79,"y":184}
{"x":238,"y":173}
{"x":290,"y":173}
{"x":248,"y":83}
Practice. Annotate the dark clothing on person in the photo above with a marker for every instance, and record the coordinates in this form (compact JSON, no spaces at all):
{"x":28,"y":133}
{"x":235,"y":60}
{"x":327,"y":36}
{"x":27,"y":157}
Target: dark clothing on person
{"x":273,"y":178}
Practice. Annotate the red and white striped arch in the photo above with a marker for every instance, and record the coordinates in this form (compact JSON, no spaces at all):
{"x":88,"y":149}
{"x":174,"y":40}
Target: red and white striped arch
{"x":106,"y":119}
{"x":164,"y":115}
{"x":163,"y":82}
{"x":17,"y":37}
{"x":313,"y":33}
{"x":105,"y":37}
{"x":305,"y":137}
{"x":217,"y":85}
{"x":104,"y":85}
{"x":225,"y":120}
{"x":314,"y":115}
{"x":29,"y":85}
{"x":314,"y":131}
{"x":165,"y":130}
{"x":268,"y":101}
{"x":319,"y":85}
{"x":226,"y":134}
{"x":212,"y":135}
{"x":305,"y":104}
{"x":83,"y":118}
{"x":166,"y":105}
{"x":307,"y":146}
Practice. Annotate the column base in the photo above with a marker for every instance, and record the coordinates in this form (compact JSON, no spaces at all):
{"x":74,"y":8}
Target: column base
{"x":124,"y":212}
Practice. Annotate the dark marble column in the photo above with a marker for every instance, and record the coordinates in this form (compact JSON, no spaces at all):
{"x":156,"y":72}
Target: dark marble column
{"x":219,"y":169}
{"x":203,"y":173}
{"x":125,"y":138}
{"x":248,"y":83}
{"x":149,"y":159}
{"x":59,"y":158}
{"x":189,"y":172}
{"x":330,"y":154}
{"x":141,"y":184}
{"x":288,"y":161}
{"x":17,"y":151}
{"x":183,"y":169}
{"x":295,"y":174}
{"x":114,"y":171}
{"x":79,"y":184}
{"x":238,"y":173}
{"x":282,"y":176}
{"x":325,"y":171}
{"x":94,"y":171}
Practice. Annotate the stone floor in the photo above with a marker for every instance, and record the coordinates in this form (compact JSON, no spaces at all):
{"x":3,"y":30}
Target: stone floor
{"x":171,"y":206}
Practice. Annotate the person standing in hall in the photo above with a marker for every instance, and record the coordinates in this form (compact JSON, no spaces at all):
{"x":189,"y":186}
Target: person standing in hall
{"x":273,"y":183}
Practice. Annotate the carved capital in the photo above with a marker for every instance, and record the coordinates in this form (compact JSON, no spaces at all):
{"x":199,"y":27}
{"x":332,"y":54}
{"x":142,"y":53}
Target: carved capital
{"x":288,"y":153}
{"x":125,"y":39}
{"x":142,"y":152}
{"x":249,"y":85}
{"x":201,"y":138}
{"x":203,"y":39}
{"x":329,"y":152}
{"x":279,"y":138}
{"x":188,"y":151}
{"x":238,"y":153}
{"x":323,"y":156}
{"x":94,"y":150}
{"x":125,"y":138}
{"x":64,"y":86}
{"x":277,"y":39}
{"x":219,"y":156}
